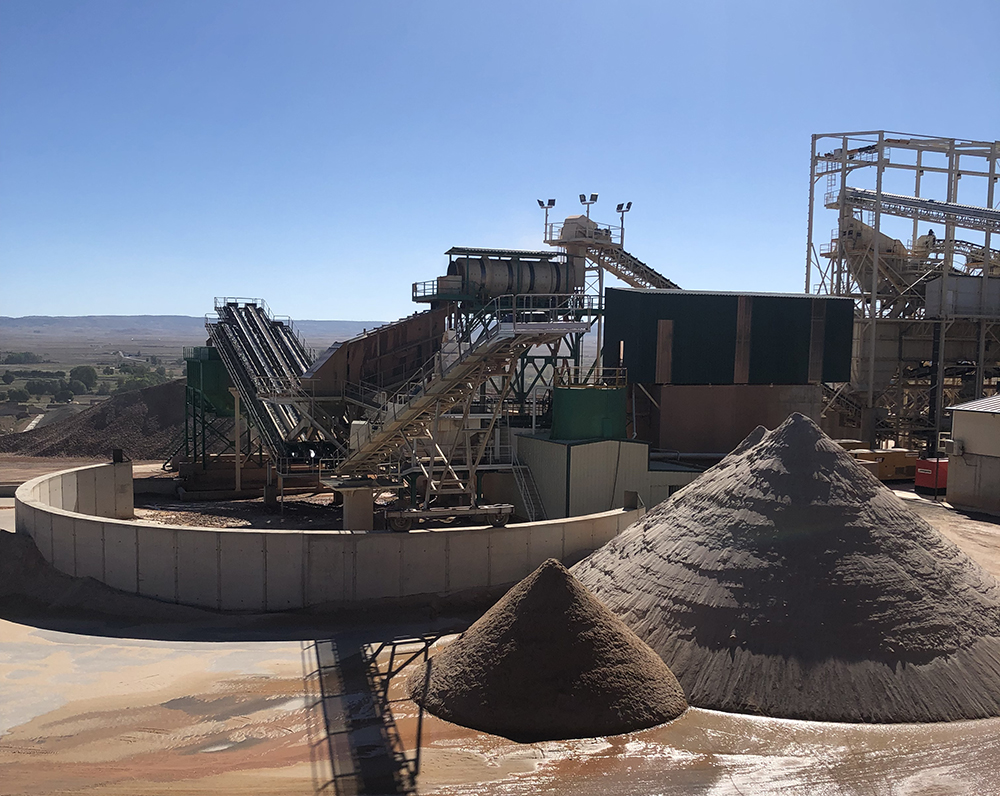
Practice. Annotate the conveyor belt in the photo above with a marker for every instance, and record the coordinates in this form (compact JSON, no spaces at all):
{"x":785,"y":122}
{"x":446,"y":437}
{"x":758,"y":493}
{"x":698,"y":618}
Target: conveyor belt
{"x":965,"y":216}
{"x":500,"y":332}
{"x":265,"y":357}
{"x":630,"y":269}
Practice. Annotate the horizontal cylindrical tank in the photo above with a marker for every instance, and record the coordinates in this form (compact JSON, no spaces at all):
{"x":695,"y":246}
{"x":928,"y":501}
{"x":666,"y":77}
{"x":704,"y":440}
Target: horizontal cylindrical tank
{"x":491,"y":277}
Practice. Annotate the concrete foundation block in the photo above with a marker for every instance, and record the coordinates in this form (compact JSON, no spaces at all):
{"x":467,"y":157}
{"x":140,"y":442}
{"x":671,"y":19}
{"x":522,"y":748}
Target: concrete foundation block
{"x":104,"y":491}
{"x":68,"y":487}
{"x":545,"y":541}
{"x":89,"y":536}
{"x":120,"y":557}
{"x":24,"y":514}
{"x":325,"y":574}
{"x":43,"y":487}
{"x":285,"y":571}
{"x":55,"y":492}
{"x":241,"y":568}
{"x":359,"y":509}
{"x":63,"y":546}
{"x":579,"y":536}
{"x":157,"y":557}
{"x":377,"y":566}
{"x":508,"y":555}
{"x":124,"y":491}
{"x":468,"y":560}
{"x":86,"y":491}
{"x":40,"y":531}
{"x":425,"y":568}
{"x":627,"y":518}
{"x":198,"y":568}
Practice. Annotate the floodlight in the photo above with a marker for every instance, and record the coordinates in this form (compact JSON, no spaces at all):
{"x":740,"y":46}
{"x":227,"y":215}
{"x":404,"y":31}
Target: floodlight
{"x":583,"y":198}
{"x":622,"y":209}
{"x":546,"y":207}
{"x":593,"y":197}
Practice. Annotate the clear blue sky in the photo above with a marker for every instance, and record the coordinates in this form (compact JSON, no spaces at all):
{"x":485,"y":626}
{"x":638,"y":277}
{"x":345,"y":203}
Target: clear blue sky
{"x":323,"y":155}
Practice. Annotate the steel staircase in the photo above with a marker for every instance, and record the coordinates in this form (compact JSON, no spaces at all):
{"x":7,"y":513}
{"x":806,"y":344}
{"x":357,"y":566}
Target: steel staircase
{"x":483,"y":346}
{"x":529,"y":492}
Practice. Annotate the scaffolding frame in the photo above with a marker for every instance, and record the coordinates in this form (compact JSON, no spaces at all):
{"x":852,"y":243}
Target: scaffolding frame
{"x":916,"y":349}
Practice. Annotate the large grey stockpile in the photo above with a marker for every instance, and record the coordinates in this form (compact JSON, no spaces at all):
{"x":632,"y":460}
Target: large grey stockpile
{"x":548,"y":662}
{"x":788,"y":581}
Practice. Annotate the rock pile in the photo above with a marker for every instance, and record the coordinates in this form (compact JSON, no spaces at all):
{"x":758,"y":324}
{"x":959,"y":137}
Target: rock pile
{"x":145,"y":424}
{"x":548,"y":662}
{"x":788,"y":581}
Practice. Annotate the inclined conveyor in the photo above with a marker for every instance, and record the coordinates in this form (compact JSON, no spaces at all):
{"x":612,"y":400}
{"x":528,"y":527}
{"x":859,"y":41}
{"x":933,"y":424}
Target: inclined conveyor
{"x":967,"y":216}
{"x":264,"y":358}
{"x":485,"y":344}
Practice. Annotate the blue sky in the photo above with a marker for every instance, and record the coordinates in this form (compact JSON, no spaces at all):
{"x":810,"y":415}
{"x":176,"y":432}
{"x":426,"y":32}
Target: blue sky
{"x":324,"y":155}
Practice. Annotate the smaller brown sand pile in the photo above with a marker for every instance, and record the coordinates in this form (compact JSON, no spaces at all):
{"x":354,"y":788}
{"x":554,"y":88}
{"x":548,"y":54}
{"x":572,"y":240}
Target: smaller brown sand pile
{"x":143,"y":423}
{"x":788,"y":581}
{"x":549,"y":662}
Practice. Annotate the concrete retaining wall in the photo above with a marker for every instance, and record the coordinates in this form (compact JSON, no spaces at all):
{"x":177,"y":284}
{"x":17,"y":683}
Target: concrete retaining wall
{"x":80,"y":521}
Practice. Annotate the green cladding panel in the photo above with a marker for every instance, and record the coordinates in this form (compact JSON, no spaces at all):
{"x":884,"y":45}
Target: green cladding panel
{"x":206,"y":373}
{"x":838,"y":339}
{"x":588,"y":412}
{"x":777,"y":340}
{"x":704,"y":334}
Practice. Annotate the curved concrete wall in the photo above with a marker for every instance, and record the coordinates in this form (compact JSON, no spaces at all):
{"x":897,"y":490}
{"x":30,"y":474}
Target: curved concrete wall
{"x":80,"y":521}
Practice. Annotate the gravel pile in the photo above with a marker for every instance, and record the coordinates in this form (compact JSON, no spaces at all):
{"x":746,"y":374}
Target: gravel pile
{"x":548,"y":662}
{"x":145,"y":424}
{"x":788,"y":581}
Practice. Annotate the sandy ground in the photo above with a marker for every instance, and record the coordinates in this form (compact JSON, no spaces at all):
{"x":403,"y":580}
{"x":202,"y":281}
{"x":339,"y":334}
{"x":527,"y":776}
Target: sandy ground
{"x":282,"y":710}
{"x":83,"y":715}
{"x":18,"y":469}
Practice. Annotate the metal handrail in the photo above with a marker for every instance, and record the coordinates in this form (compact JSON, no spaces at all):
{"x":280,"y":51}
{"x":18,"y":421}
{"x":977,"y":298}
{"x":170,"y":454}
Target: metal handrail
{"x":601,"y":233}
{"x":505,"y":315}
{"x":589,"y":375}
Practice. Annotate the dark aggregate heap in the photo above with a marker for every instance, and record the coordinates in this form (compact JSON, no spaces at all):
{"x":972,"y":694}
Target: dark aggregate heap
{"x":145,"y":424}
{"x":788,"y":581}
{"x":548,"y":662}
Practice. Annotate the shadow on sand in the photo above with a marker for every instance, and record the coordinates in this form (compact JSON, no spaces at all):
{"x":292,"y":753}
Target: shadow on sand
{"x":356,"y":744}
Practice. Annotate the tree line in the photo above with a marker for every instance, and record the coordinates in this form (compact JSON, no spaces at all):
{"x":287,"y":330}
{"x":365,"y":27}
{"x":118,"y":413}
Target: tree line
{"x":82,"y":380}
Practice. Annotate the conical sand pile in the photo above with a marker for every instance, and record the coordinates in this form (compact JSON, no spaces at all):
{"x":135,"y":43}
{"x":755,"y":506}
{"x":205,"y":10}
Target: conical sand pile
{"x":788,"y":581}
{"x":548,"y":662}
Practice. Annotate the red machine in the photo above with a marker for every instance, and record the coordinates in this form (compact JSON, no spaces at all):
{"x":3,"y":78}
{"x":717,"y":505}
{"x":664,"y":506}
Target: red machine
{"x":932,"y":474}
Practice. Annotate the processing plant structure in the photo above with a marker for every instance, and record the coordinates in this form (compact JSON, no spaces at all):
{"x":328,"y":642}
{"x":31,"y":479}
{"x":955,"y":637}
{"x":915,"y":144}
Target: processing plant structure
{"x":424,"y":406}
{"x":927,"y":330}
{"x":441,"y":407}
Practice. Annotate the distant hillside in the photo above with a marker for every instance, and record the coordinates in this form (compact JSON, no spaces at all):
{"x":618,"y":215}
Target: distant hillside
{"x":21,"y":333}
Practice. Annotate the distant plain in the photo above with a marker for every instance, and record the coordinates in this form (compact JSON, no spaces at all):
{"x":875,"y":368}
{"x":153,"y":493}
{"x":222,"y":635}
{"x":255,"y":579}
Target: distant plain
{"x":98,"y":339}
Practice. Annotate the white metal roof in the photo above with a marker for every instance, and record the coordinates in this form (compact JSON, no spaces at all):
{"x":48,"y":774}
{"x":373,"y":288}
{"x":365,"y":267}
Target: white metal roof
{"x":991,"y":405}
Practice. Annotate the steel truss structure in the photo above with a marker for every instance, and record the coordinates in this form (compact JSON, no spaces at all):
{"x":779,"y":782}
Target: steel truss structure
{"x":927,"y":329}
{"x":441,"y":427}
{"x":210,"y":431}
